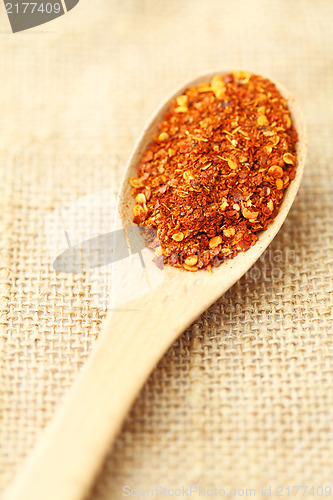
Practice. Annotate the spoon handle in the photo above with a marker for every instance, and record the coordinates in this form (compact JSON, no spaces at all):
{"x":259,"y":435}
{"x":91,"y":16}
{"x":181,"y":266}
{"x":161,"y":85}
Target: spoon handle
{"x":70,"y":453}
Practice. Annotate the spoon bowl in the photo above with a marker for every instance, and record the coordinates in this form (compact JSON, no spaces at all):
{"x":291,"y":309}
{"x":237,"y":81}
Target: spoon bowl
{"x":212,"y":286}
{"x":132,"y":340}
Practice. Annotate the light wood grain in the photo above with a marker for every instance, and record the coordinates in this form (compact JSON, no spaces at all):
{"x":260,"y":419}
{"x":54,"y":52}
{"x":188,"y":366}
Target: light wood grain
{"x":133,"y":339}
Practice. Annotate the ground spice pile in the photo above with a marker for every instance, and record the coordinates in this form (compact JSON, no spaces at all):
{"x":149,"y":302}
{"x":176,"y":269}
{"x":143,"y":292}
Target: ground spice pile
{"x":216,"y":171}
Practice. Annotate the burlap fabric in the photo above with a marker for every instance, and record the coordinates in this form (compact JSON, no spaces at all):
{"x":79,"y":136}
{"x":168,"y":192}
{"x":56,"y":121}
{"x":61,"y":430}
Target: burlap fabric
{"x":244,"y":399}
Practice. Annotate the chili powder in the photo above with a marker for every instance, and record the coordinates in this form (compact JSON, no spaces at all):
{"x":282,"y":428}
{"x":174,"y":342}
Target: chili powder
{"x":216,"y":171}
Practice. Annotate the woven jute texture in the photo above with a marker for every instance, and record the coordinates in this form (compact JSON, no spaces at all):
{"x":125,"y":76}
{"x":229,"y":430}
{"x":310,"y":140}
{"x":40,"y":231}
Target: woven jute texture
{"x":244,"y":398}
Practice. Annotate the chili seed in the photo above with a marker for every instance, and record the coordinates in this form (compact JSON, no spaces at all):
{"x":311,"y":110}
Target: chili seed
{"x":232,"y":164}
{"x":262,"y":120}
{"x":137,"y":182}
{"x":182,"y":100}
{"x":279,"y":184}
{"x":158,"y":251}
{"x":140,"y":198}
{"x":270,"y":205}
{"x":188,"y":176}
{"x":249,"y":214}
{"x":191,"y":260}
{"x":164,"y":136}
{"x":138,"y":210}
{"x":193,"y":269}
{"x":275,"y":171}
{"x":181,"y":109}
{"x":242,"y":76}
{"x":218,"y":86}
{"x":224,"y":205}
{"x":288,"y":158}
{"x":215,"y":241}
{"x":178,"y":236}
{"x":275,"y":141}
{"x":229,"y":231}
{"x":287,"y":121}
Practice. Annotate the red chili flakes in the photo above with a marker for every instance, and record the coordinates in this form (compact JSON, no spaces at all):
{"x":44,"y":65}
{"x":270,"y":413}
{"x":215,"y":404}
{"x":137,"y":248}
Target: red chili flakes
{"x":217,"y":169}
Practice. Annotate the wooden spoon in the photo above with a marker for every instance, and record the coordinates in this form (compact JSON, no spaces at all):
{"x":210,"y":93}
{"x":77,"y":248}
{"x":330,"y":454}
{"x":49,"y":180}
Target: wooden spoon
{"x":132,"y":340}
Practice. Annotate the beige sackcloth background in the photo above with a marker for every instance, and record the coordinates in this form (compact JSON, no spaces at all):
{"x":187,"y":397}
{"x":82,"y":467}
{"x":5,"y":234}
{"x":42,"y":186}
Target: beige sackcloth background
{"x":244,"y":398}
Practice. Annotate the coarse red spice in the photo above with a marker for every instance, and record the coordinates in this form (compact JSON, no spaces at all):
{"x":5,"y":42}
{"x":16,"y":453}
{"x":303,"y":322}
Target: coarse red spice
{"x":216,"y":171}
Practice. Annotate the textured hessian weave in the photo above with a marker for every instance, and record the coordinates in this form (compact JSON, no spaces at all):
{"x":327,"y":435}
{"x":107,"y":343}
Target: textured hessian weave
{"x":244,"y":398}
